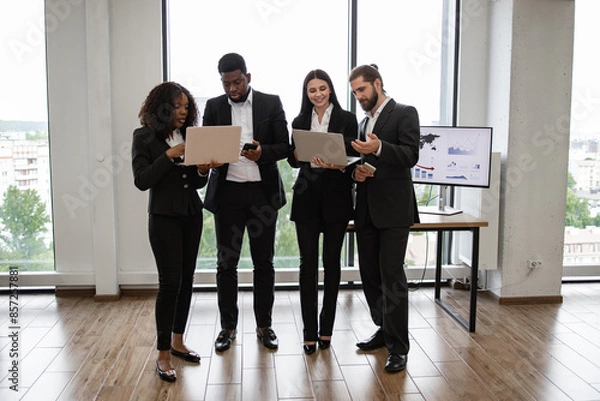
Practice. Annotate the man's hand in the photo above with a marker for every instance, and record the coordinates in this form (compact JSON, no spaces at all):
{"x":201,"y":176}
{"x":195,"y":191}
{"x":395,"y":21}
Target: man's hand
{"x":253,"y":154}
{"x":367,"y":147}
{"x":360,"y":174}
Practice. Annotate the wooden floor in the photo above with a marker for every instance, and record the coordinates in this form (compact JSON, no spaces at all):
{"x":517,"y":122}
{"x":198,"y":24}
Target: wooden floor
{"x":78,"y":349}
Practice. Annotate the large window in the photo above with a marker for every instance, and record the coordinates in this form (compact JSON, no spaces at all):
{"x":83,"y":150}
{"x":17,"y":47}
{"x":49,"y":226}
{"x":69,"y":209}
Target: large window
{"x":411,"y":42}
{"x":25,"y":208}
{"x":582,"y":231}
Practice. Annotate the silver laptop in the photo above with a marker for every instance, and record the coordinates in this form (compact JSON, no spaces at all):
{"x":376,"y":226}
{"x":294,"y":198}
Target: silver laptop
{"x":220,"y":143}
{"x":328,"y":146}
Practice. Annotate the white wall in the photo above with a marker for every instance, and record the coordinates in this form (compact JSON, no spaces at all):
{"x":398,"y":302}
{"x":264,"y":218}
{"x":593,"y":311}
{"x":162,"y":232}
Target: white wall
{"x":136,"y":68}
{"x":104,"y":57}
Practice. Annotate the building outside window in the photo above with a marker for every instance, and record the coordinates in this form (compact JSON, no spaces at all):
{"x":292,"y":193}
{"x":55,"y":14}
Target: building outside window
{"x":583,"y":193}
{"x":25,"y":204}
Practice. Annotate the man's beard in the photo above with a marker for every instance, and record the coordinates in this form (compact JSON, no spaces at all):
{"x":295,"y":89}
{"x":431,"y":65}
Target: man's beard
{"x":370,"y":103}
{"x":241,"y":99}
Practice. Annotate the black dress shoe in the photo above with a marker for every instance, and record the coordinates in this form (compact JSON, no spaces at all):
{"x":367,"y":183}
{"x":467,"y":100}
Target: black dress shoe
{"x":309,"y":349}
{"x":188,"y":356}
{"x":324,"y":344}
{"x":395,"y":363}
{"x":268,"y":338}
{"x":373,"y":342}
{"x":224,"y":340}
{"x":166,"y":375}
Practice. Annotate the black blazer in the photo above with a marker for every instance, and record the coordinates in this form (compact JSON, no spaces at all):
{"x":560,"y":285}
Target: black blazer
{"x":173,"y":189}
{"x":390,"y":196}
{"x":269,"y":128}
{"x":322,"y":193}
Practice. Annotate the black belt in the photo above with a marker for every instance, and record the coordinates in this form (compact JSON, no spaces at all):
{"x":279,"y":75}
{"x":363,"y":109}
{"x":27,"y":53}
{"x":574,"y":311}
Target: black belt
{"x":246,"y":184}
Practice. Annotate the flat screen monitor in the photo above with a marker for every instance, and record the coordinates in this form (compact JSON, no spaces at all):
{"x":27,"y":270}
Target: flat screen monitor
{"x":453,"y":156}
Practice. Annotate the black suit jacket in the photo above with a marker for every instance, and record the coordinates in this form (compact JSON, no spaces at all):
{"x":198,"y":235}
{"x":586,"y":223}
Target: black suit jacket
{"x":389,"y":197}
{"x":270,"y":129}
{"x":323,"y":191}
{"x":173,"y":189}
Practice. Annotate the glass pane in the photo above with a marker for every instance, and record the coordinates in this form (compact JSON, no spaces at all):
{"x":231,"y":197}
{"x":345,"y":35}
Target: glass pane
{"x":25,"y":210}
{"x":412,"y":43}
{"x":281,"y":42}
{"x":582,"y":232}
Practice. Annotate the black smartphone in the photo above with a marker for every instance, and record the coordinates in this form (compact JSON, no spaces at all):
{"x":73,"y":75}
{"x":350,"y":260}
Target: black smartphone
{"x":250,"y":146}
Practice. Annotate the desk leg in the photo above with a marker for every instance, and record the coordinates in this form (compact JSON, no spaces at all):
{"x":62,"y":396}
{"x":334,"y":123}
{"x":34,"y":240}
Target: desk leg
{"x":474,"y":274}
{"x":470,"y":325}
{"x":438,"y":264}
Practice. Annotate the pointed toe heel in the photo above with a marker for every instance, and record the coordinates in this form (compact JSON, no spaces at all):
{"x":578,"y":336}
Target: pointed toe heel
{"x":309,"y":349}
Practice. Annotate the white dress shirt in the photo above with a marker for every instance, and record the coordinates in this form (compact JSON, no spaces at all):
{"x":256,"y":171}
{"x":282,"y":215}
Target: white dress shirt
{"x":175,"y":139}
{"x":244,"y":170}
{"x":322,"y":126}
{"x":373,"y":120}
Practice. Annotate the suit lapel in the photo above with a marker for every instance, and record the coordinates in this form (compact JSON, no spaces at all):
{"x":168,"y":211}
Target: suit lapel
{"x":256,"y":108}
{"x":384,"y":116}
{"x":225,"y":113}
{"x":334,"y":121}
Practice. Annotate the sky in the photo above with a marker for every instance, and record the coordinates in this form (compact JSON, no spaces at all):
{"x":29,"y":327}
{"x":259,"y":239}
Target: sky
{"x":22,"y":61}
{"x":23,"y":75}
{"x":585,"y":97}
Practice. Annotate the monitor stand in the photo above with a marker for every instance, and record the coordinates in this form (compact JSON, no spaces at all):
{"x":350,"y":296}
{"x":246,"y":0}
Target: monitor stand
{"x":441,"y":208}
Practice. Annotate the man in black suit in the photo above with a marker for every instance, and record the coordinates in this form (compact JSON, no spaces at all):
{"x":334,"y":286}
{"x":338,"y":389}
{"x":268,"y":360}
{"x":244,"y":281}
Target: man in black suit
{"x":246,"y":195}
{"x":386,"y":207}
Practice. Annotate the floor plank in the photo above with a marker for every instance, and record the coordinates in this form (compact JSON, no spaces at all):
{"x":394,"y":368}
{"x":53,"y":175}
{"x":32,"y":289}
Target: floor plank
{"x":259,"y":384}
{"x":80,"y":349}
{"x":292,"y":377}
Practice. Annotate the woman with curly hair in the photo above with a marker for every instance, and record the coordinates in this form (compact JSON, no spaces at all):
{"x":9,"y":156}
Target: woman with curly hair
{"x":175,"y":212}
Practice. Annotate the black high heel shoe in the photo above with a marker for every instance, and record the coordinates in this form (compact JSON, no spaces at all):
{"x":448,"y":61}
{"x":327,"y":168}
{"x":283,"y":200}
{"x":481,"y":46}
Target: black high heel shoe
{"x":324,"y":344}
{"x":309,"y":349}
{"x":166,"y":375}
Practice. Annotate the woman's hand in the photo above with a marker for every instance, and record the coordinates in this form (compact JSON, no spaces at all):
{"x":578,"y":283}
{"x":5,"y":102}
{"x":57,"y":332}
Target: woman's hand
{"x":204,"y":168}
{"x":176,"y":151}
{"x":317,"y":161}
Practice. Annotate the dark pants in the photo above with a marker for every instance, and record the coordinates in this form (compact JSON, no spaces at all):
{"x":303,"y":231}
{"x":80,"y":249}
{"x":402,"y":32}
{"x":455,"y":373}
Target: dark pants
{"x":244,"y":207}
{"x":308,"y":243}
{"x":381,"y":255}
{"x":174,"y":242}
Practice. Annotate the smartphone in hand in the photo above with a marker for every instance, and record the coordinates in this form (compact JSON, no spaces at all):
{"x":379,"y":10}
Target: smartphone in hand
{"x":369,"y":167}
{"x":250,"y":146}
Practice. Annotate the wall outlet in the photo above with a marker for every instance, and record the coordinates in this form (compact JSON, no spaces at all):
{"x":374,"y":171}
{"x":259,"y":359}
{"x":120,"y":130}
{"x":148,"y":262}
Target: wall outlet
{"x":534,"y":263}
